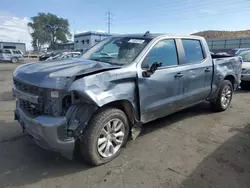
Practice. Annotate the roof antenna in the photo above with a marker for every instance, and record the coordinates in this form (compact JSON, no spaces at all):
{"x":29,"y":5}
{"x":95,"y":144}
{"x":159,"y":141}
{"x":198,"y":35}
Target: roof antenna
{"x":147,"y":33}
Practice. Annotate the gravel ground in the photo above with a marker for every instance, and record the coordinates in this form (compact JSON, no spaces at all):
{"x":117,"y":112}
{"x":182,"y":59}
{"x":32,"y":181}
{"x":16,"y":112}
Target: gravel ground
{"x":192,"y":148}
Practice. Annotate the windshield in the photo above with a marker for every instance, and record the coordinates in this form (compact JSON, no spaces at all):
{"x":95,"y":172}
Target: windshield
{"x":16,"y":52}
{"x":117,"y":50}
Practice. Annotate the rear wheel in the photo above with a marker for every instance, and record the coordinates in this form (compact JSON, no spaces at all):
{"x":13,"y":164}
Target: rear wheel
{"x":224,"y":97}
{"x":14,"y":60}
{"x":104,"y":137}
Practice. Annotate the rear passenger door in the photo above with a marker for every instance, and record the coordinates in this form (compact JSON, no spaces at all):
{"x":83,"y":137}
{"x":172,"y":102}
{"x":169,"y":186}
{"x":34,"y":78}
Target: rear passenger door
{"x":198,"y":72}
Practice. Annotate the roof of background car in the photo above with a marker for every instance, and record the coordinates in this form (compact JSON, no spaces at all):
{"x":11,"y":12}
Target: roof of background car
{"x":154,"y":35}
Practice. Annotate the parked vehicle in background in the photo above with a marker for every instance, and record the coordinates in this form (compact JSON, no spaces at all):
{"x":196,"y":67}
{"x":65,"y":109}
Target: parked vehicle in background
{"x":237,"y":51}
{"x":49,"y":54}
{"x":11,"y":55}
{"x":65,"y":55}
{"x":245,"y":74}
{"x":92,"y":104}
{"x":223,"y":53}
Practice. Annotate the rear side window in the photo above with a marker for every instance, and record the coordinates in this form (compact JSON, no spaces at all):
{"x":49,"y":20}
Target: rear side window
{"x":193,"y":50}
{"x":165,"y":52}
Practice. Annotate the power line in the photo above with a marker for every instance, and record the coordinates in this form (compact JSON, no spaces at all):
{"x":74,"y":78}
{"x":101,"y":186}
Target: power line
{"x":201,"y":5}
{"x":197,"y":16}
{"x":179,"y":10}
{"x":179,"y":17}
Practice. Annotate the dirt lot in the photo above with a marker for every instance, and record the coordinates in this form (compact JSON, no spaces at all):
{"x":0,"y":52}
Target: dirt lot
{"x":194,"y":148}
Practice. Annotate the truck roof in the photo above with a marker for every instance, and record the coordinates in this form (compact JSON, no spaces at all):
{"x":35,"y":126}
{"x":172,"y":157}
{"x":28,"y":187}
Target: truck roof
{"x":154,"y":35}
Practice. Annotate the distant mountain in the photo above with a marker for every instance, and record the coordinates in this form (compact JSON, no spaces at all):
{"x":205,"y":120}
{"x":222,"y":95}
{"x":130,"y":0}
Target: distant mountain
{"x":212,"y":34}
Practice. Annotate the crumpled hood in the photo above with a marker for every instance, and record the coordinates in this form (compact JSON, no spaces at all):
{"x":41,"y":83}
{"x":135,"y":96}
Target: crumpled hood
{"x":55,"y":74}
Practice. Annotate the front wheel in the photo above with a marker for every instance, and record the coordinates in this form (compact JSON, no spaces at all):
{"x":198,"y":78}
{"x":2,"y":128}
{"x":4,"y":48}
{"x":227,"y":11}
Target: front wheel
{"x":104,"y":137}
{"x":224,"y":97}
{"x":14,"y":60}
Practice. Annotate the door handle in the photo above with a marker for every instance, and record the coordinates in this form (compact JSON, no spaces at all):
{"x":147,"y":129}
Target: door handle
{"x":207,"y":70}
{"x":178,"y":75}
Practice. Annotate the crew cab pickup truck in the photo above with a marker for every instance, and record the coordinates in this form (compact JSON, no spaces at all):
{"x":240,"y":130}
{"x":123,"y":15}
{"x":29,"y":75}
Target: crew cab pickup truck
{"x":93,"y":104}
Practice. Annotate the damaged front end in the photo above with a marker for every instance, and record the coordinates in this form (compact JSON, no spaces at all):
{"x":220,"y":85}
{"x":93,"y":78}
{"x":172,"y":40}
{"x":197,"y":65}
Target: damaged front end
{"x":55,"y":102}
{"x":57,"y":128}
{"x":53,"y":118}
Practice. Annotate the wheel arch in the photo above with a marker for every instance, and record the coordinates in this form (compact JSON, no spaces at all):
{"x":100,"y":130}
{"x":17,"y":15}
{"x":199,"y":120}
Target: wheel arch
{"x":126,"y":107}
{"x":231,"y":78}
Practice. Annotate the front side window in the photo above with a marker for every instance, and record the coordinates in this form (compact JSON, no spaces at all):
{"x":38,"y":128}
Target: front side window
{"x":117,"y":50}
{"x":193,"y":50}
{"x":164,"y":52}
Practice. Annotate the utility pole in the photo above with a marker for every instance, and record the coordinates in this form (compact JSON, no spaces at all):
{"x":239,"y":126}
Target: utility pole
{"x":109,"y":21}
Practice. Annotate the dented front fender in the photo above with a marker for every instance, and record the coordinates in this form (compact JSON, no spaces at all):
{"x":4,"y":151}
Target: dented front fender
{"x":106,"y":87}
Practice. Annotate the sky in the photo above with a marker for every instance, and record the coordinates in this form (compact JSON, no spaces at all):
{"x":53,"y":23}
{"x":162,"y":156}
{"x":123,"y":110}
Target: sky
{"x":128,"y":16}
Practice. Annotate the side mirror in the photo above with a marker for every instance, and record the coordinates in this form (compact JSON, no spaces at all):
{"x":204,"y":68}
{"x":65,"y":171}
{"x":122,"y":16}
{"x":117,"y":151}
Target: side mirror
{"x":151,"y":69}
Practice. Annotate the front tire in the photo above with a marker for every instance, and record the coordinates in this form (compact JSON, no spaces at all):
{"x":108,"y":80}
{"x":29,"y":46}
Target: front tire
{"x":104,"y":137}
{"x":224,"y":97}
{"x":14,"y":60}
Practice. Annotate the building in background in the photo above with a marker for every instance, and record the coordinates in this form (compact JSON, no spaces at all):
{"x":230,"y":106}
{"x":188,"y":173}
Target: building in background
{"x":13,"y":45}
{"x":83,"y":41}
{"x":66,"y":46}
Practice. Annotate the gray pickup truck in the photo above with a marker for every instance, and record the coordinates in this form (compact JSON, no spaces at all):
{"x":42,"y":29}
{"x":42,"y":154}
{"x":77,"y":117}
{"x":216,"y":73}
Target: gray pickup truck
{"x":92,"y":105}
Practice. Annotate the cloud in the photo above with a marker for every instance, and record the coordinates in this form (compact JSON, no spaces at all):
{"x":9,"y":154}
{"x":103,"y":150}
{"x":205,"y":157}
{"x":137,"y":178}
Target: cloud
{"x":14,"y":29}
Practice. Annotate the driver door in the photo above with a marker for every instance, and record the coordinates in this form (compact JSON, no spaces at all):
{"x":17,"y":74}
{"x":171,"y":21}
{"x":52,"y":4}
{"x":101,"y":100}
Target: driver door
{"x":161,"y":93}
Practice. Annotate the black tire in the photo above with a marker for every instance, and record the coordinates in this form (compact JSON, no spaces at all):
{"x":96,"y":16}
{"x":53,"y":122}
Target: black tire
{"x":88,"y":143}
{"x":217,"y":105}
{"x":14,"y":60}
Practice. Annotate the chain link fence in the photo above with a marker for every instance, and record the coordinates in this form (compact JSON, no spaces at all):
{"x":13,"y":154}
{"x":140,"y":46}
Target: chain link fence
{"x":217,"y":44}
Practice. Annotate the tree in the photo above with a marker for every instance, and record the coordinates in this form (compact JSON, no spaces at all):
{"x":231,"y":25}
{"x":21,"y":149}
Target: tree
{"x":48,"y":29}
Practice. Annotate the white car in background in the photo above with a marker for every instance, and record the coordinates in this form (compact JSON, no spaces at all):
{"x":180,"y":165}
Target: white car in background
{"x":11,"y":55}
{"x":245,"y":74}
{"x":65,"y":55}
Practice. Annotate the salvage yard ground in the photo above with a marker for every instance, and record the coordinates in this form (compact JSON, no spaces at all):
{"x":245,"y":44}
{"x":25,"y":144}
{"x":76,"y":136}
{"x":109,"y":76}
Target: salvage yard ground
{"x":194,"y":148}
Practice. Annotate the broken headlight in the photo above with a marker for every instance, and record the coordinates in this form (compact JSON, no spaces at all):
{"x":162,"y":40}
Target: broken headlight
{"x":58,"y":102}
